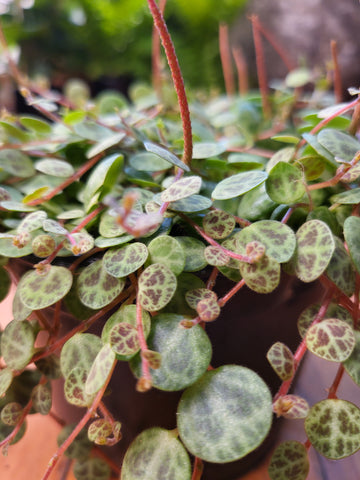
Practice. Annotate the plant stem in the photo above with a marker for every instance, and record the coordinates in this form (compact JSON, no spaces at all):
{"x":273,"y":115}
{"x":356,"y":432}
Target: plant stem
{"x":79,"y":426}
{"x":260,"y":65}
{"x":226,"y":59}
{"x":198,"y":469}
{"x":155,"y":56}
{"x":177,"y":78}
{"x":334,"y":387}
{"x":7,"y":440}
{"x":242,"y":70}
{"x":222,"y":301}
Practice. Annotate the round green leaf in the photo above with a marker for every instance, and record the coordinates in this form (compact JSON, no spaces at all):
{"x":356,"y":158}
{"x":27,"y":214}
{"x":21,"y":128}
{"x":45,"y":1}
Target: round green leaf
{"x":239,"y":184}
{"x":17,"y":344}
{"x":124,"y":339}
{"x":156,"y":453}
{"x":36,"y":125}
{"x":352,"y":235}
{"x":194,"y":253}
{"x":157,"y":285}
{"x":74,"y":388}
{"x":148,"y":162}
{"x":92,"y":468}
{"x":79,"y":352}
{"x":182,"y":188}
{"x":11,"y":413}
{"x":340,"y":269}
{"x":32,"y":221}
{"x":164,"y":153}
{"x":19,"y":310}
{"x":225,"y":415}
{"x":352,"y":363}
{"x":207,"y":149}
{"x":350,"y":197}
{"x":41,"y":398}
{"x":99,"y":430}
{"x":283,"y":155}
{"x":331,"y":339}
{"x":125,"y":314}
{"x":192,"y":204}
{"x":278,"y":239}
{"x":167,"y":250}
{"x":333,"y":428}
{"x":16,"y":163}
{"x":53,"y":166}
{"x":100,"y":370}
{"x":185,"y":282}
{"x":216,"y":256}
{"x":96,"y":288}
{"x":43,"y":245}
{"x":289,"y":461}
{"x":282,"y":361}
{"x":103,"y":145}
{"x":291,"y":407}
{"x":218,"y":224}
{"x":185,"y":353}
{"x":334,"y":311}
{"x":285,"y":184}
{"x":262,"y":276}
{"x":120,"y":262}
{"x":39,"y":290}
{"x":316,"y":246}
{"x":6,"y":377}
{"x":339,"y":144}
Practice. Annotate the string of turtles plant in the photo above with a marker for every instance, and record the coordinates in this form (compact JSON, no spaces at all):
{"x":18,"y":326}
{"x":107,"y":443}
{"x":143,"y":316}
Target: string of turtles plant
{"x":96,"y":197}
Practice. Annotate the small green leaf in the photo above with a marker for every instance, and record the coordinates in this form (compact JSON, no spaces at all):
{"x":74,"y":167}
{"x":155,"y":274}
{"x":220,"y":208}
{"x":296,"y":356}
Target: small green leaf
{"x":16,"y":163}
{"x":234,"y":418}
{"x":168,"y":251}
{"x":92,"y":130}
{"x":316,"y":246}
{"x":351,"y":234}
{"x":100,"y":370}
{"x":191,"y":204}
{"x":55,"y":167}
{"x":283,"y":155}
{"x":282,"y":361}
{"x":79,"y":352}
{"x":120,"y":262}
{"x":291,"y":407}
{"x":41,"y":398}
{"x":340,"y":269}
{"x":99,"y":430}
{"x":262,"y":276}
{"x":350,"y":197}
{"x":36,"y":125}
{"x":333,"y":428}
{"x":285,"y":184}
{"x":298,"y":77}
{"x":218,"y":224}
{"x":17,"y":344}
{"x":11,"y":413}
{"x":185,"y":353}
{"x":238,"y":184}
{"x":331,"y":339}
{"x":278,"y":239}
{"x":194,"y":253}
{"x":289,"y":461}
{"x":123,"y":339}
{"x":96,"y":288}
{"x":105,"y":144}
{"x":309,"y":314}
{"x":43,"y":245}
{"x":339,"y":144}
{"x":74,"y":388}
{"x":207,"y":149}
{"x":165,"y":154}
{"x":352,"y":174}
{"x":313,"y":166}
{"x":157,"y":285}
{"x":52,"y":226}
{"x":38,"y":290}
{"x":182,"y":188}
{"x":256,"y":204}
{"x":216,"y":256}
{"x":32,"y":221}
{"x":148,"y":162}
{"x":156,"y":453}
{"x":92,"y":468}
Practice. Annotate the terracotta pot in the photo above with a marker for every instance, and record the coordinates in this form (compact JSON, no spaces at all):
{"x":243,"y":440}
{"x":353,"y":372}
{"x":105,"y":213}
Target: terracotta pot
{"x":247,"y":327}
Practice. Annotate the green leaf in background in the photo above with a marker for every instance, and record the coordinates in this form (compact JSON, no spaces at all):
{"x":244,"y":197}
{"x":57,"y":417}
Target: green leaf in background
{"x":282,"y":360}
{"x":289,"y":461}
{"x":334,"y":311}
{"x":352,"y":363}
{"x":352,"y":235}
{"x":341,"y":270}
{"x":185,"y":187}
{"x":41,"y":398}
{"x":79,"y":352}
{"x":38,"y":290}
{"x":168,"y":251}
{"x":6,"y":377}
{"x":53,"y":166}
{"x":148,"y":162}
{"x":225,"y":415}
{"x":92,"y":468}
{"x":194,"y":253}
{"x":11,"y":413}
{"x":331,"y":339}
{"x":262,"y":276}
{"x":316,"y":246}
{"x":207,"y":149}
{"x":333,"y":428}
{"x":17,"y":344}
{"x":218,"y":224}
{"x":285,"y":184}
{"x":156,"y":453}
{"x":100,"y":370}
{"x":185,"y":353}
{"x":165,"y":154}
{"x":16,"y":163}
{"x":120,"y":262}
{"x":238,"y":184}
{"x":339,"y":144}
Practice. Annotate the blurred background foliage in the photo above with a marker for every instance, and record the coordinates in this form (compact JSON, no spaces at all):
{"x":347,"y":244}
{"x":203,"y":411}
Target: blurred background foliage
{"x":112,"y":38}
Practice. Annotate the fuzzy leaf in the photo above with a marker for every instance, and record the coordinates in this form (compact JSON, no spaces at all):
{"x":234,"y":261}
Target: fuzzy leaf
{"x":16,"y":163}
{"x":120,"y":262}
{"x":96,"y":287}
{"x":185,"y":353}
{"x":182,"y":188}
{"x":216,"y":256}
{"x":339,"y":144}
{"x":17,"y":344}
{"x":234,"y":418}
{"x":79,"y":352}
{"x":57,"y":168}
{"x":157,"y":285}
{"x":99,"y":430}
{"x":100,"y":370}
{"x":194,"y":253}
{"x":340,"y":269}
{"x":207,"y":149}
{"x":11,"y":413}
{"x":331,"y":339}
{"x":285,"y":184}
{"x":278,"y":239}
{"x":291,"y":407}
{"x":316,"y":246}
{"x":238,"y":184}
{"x":282,"y":361}
{"x":334,"y":311}
{"x":41,"y":398}
{"x":333,"y":428}
{"x":164,"y":153}
{"x":289,"y":461}
{"x":43,"y":245}
{"x":148,"y":162}
{"x":32,"y":221}
{"x":39,"y":290}
{"x":352,"y":234}
{"x":191,"y":204}
{"x":6,"y":377}
{"x":168,"y":251}
{"x":156,"y":453}
{"x":123,"y":339}
{"x":74,"y":388}
{"x":218,"y":224}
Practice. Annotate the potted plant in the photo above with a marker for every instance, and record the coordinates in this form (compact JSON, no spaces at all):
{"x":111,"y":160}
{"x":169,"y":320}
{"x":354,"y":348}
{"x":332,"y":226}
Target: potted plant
{"x":138,"y":239}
